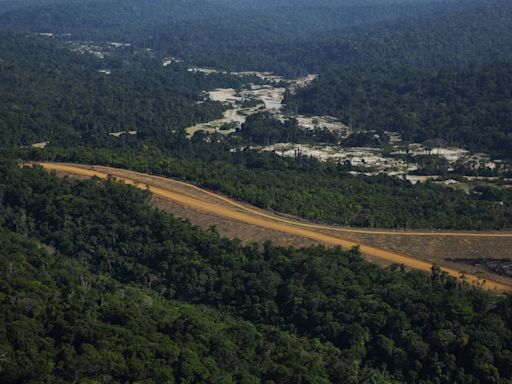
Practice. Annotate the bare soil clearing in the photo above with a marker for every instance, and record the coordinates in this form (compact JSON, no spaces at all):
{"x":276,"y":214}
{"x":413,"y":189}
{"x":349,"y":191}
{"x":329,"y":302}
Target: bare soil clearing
{"x":259,"y":222}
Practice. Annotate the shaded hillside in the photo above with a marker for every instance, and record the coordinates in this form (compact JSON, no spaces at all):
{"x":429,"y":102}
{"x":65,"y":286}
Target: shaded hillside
{"x":469,"y":107}
{"x":48,"y":92}
{"x":67,"y":324}
{"x":364,"y":323}
{"x":287,"y":37}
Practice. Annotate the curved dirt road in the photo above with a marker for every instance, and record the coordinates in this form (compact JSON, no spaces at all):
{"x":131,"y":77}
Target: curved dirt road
{"x":247,"y":215}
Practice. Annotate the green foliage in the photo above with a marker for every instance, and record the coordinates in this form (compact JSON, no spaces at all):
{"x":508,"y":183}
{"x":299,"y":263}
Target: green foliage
{"x":471,"y":107}
{"x":264,"y":129}
{"x":391,"y":69}
{"x":366,"y":139}
{"x":290,"y":37}
{"x":97,"y":286}
{"x":319,"y":315}
{"x":302,"y":186}
{"x":60,"y":323}
{"x":50,"y":93}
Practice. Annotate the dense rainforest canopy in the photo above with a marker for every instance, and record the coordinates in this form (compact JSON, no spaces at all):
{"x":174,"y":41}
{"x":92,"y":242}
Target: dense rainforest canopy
{"x":52,"y":94}
{"x":470,"y":107}
{"x":383,"y":66}
{"x":48,"y":92}
{"x":301,"y":186}
{"x":285,"y":36}
{"x":97,"y":285}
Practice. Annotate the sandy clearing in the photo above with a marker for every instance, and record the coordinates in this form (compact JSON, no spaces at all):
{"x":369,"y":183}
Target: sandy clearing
{"x":244,"y":214}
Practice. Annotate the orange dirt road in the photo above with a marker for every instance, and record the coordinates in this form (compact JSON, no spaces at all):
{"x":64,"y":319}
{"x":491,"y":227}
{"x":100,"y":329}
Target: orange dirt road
{"x":269,"y":221}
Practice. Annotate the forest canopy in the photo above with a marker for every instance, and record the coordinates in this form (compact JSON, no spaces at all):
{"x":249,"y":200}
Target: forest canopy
{"x":470,"y":107}
{"x":98,"y":285}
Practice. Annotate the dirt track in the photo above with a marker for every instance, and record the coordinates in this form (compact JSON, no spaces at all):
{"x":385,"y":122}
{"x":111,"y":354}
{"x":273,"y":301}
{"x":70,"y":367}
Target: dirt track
{"x":232,"y":210}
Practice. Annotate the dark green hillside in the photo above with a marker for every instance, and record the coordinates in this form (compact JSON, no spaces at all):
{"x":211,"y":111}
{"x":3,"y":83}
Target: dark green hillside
{"x":480,"y":33}
{"x":105,"y":20}
{"x":60,"y":323}
{"x":470,"y":107}
{"x":97,"y":286}
{"x":48,"y":92}
{"x":288,"y":37}
{"x":393,"y":71}
{"x":76,"y":310}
